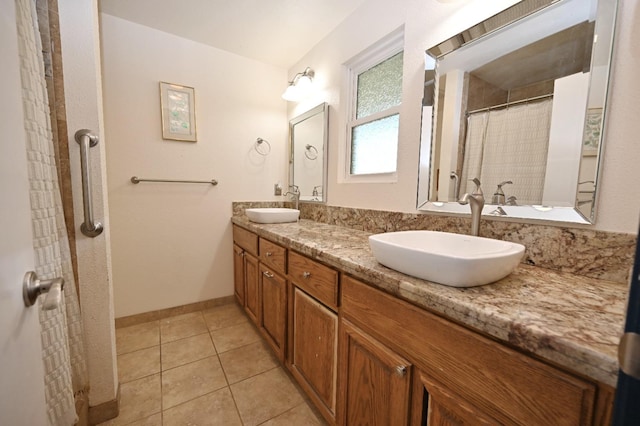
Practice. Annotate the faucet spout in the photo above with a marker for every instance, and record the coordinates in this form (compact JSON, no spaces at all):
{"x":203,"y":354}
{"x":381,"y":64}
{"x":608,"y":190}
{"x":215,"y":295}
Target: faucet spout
{"x":295,"y":192}
{"x":476,"y":202}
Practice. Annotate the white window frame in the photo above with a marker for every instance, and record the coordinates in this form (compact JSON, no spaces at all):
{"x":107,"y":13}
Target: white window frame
{"x":376,"y":54}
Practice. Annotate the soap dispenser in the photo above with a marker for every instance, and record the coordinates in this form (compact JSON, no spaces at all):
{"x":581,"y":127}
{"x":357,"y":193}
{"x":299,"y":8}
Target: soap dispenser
{"x":498,"y":196}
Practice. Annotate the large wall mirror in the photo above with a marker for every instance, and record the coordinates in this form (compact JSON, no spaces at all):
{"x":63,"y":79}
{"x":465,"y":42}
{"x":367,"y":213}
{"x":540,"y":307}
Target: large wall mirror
{"x":518,"y":101}
{"x":308,"y":133}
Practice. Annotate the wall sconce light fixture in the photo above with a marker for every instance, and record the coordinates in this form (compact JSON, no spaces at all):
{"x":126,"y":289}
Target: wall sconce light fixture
{"x":299,"y":86}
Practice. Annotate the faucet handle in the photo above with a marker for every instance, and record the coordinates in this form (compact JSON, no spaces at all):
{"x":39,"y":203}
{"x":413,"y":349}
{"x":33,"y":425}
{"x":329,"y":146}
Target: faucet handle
{"x":478,"y":190}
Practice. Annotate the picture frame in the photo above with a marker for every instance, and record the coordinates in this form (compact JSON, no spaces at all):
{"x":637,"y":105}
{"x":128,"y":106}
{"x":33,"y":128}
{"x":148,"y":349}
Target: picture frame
{"x":177,"y":104}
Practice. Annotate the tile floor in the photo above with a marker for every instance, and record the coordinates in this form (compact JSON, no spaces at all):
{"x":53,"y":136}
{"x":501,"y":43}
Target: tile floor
{"x":204,"y":368}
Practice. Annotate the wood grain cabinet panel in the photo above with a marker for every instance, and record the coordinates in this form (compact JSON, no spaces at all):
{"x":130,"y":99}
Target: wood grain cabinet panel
{"x":252,"y":289}
{"x":314,"y":340}
{"x":245,"y":239}
{"x":316,"y":279}
{"x":273,"y":319}
{"x":238,"y":273}
{"x":374,"y":381}
{"x":273,"y":255}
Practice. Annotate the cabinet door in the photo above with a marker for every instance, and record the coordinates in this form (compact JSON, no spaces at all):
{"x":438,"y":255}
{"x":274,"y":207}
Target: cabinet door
{"x":274,"y":309}
{"x":238,"y":274}
{"x":435,"y":405}
{"x":374,"y":381}
{"x":314,"y":355}
{"x":252,"y":294}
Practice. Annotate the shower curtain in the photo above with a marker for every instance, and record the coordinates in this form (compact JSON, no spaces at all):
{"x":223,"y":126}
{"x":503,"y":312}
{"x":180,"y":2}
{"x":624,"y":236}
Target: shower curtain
{"x":62,"y":332}
{"x":509,"y":144}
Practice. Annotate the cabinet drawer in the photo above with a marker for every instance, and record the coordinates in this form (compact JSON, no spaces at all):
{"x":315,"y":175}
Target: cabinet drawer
{"x":273,"y":255}
{"x":316,"y":279}
{"x":245,"y":239}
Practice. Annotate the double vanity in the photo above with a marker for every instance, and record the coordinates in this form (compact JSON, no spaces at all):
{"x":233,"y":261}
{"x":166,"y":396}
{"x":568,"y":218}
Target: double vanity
{"x":370,"y":345}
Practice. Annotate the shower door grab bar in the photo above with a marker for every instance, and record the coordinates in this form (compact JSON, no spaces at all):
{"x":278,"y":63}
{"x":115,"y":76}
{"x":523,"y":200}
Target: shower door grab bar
{"x":86,"y":140}
{"x":136,"y":179}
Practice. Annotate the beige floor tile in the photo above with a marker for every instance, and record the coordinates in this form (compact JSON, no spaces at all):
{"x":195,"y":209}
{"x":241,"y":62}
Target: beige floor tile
{"x":138,"y":364}
{"x":265,"y":396}
{"x":247,"y":361}
{"x":184,"y":351}
{"x":139,"y":399}
{"x":182,"y":326}
{"x":155,"y":420}
{"x":216,"y":408}
{"x":135,"y":337}
{"x":224,"y":316}
{"x":190,"y":381}
{"x":300,"y":415}
{"x":233,"y":337}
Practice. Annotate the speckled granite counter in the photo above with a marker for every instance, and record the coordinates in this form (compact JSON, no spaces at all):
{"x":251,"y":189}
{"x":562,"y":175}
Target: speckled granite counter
{"x":567,"y":319}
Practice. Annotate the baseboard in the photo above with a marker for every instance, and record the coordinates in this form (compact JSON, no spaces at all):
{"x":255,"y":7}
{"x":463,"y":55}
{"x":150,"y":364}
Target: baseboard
{"x":105,"y":411}
{"x":169,"y":312}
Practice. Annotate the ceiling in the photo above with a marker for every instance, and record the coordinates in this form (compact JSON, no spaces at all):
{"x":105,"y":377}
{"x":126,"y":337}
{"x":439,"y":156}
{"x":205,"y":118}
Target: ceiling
{"x":277,"y":32}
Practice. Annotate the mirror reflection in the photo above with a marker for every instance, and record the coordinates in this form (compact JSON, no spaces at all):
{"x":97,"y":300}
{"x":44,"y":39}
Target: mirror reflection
{"x":308,"y":133}
{"x":518,"y":102}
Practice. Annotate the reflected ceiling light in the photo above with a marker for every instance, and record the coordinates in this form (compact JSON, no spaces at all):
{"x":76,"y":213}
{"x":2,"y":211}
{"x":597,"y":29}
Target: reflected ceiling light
{"x":299,"y":86}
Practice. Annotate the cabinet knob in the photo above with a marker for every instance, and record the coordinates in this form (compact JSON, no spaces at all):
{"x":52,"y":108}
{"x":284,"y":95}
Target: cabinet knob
{"x":306,"y":274}
{"x":401,"y":370}
{"x":267,"y":274}
{"x":268,"y":254}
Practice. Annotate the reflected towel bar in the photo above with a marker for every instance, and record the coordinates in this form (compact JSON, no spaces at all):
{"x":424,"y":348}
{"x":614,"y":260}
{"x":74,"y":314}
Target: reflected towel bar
{"x":135,"y":179}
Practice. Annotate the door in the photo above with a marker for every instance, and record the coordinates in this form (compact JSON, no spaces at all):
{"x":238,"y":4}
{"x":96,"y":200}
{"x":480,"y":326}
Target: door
{"x":238,"y":273}
{"x":626,"y":408}
{"x":22,"y":386}
{"x":374,"y":381}
{"x":273,"y":318}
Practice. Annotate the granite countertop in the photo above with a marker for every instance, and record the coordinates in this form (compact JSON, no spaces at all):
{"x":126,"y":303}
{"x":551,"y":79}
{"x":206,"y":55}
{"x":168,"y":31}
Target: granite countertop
{"x":570,"y":320}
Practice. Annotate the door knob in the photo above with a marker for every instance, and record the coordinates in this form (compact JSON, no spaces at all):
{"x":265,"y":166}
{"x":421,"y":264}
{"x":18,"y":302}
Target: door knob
{"x":32,"y":287}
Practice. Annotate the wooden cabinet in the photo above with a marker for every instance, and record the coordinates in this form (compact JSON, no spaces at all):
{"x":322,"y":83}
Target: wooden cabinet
{"x":238,"y":273}
{"x":252,"y":287}
{"x":374,"y":381}
{"x":313,"y":349}
{"x":502,"y":384}
{"x":273,"y":299}
{"x":313,"y":336}
{"x":363,"y":356}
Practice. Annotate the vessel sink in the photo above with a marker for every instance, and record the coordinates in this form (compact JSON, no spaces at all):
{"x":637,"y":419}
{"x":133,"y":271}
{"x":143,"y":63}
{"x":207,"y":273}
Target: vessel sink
{"x":272,"y":215}
{"x":451,"y":259}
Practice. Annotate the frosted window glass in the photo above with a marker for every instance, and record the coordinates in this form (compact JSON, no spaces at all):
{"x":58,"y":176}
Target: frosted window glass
{"x":380,"y":87}
{"x":374,"y":146}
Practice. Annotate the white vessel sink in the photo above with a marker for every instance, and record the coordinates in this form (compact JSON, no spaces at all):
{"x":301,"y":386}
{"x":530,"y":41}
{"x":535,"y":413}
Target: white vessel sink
{"x":272,"y":215}
{"x":451,"y":259}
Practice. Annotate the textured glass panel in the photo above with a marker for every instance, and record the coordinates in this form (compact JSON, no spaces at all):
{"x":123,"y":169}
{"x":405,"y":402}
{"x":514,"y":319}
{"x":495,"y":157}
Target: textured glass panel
{"x":380,"y":87}
{"x":374,"y":146}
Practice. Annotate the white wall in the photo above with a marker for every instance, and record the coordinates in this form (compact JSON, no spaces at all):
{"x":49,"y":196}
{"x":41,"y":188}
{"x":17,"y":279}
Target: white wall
{"x":427,"y":23}
{"x":172,"y":242}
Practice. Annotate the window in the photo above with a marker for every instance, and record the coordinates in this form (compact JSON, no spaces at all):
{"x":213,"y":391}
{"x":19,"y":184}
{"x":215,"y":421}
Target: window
{"x":374,"y":115}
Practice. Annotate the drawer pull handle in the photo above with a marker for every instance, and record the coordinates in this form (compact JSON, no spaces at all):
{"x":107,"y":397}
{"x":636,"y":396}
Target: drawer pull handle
{"x":401,"y":370}
{"x":306,"y":274}
{"x":268,"y":254}
{"x":267,"y":274}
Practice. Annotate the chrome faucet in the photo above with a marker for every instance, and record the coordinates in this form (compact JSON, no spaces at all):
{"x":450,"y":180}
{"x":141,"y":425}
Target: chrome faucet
{"x":498,"y":196}
{"x":476,"y":202}
{"x":295,"y":191}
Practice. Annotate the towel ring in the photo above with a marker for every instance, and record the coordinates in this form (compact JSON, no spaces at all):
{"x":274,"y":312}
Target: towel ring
{"x":311,"y":152}
{"x":262,"y":147}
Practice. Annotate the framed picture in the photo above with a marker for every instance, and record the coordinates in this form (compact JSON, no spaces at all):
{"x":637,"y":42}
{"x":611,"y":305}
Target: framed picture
{"x":178,"y":107}
{"x":592,"y":130}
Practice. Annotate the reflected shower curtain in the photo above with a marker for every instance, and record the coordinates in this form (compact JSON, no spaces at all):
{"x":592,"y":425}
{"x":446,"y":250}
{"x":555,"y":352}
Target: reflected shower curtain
{"x":514,"y":147}
{"x":62,"y":332}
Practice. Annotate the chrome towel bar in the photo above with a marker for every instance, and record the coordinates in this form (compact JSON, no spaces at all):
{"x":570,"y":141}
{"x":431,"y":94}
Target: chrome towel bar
{"x":135,"y":179}
{"x":87,"y":140}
